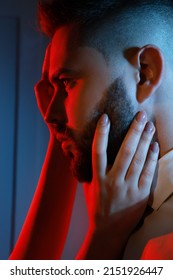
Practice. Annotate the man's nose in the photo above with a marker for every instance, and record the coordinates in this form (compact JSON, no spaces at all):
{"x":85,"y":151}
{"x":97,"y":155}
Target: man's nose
{"x":56,"y":112}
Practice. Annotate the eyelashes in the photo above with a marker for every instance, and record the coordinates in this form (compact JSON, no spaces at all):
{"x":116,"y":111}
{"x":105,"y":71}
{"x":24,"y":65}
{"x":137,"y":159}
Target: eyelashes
{"x":64,"y":83}
{"x":68,"y":83}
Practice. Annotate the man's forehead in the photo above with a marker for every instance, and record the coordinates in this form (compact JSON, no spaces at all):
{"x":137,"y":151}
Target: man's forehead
{"x":64,"y":53}
{"x":66,"y":36}
{"x":62,"y":42}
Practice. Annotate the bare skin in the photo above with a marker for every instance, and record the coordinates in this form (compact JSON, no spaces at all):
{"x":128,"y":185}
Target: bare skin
{"x":46,"y":226}
{"x":116,"y":197}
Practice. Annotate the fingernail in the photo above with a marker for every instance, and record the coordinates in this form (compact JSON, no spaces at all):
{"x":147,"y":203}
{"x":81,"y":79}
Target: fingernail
{"x":154,"y":147}
{"x":149,"y":127}
{"x":141,"y":117}
{"x":103,"y":120}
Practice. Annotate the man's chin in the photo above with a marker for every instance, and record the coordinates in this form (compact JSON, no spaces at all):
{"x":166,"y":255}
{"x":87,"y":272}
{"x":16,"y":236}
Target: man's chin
{"x":82,"y":170}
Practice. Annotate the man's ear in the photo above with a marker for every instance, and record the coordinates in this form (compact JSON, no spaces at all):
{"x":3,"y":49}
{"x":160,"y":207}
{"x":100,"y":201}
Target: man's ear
{"x":150,"y":71}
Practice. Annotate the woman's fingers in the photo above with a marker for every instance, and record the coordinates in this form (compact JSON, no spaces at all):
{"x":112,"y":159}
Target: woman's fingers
{"x":136,"y":160}
{"x":129,"y":145}
{"x":99,"y":147}
{"x":140,"y":156}
{"x":148,"y":171}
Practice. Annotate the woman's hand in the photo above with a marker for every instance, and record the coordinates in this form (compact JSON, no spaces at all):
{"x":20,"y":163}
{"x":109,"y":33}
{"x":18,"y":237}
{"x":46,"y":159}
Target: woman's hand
{"x":117,"y":196}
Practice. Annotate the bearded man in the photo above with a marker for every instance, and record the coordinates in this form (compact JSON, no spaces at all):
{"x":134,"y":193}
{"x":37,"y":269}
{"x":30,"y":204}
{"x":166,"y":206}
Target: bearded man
{"x":107,"y":61}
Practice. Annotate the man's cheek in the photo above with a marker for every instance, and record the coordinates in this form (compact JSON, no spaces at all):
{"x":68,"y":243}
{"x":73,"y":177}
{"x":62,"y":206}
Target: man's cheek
{"x":76,"y":116}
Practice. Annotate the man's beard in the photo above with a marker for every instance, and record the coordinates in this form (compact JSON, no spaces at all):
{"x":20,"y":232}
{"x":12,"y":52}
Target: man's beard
{"x":117,"y":106}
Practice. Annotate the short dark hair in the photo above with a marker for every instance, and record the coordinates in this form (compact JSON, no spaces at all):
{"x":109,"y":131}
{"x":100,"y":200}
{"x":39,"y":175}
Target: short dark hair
{"x":90,"y":15}
{"x":56,"y":13}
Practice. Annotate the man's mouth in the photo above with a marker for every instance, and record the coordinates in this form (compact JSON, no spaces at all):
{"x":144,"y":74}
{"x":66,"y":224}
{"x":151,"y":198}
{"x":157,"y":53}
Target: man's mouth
{"x":67,"y":144}
{"x":68,"y":147}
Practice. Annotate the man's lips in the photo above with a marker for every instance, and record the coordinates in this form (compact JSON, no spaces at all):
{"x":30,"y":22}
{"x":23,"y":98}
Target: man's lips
{"x":68,"y":147}
{"x":66,"y":144}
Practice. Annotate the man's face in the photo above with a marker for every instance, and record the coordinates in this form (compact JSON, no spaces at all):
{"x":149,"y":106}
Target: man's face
{"x":81,"y":88}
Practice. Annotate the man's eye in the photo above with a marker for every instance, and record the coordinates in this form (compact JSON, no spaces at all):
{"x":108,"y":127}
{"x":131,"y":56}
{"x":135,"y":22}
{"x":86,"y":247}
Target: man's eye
{"x":68,"y":83}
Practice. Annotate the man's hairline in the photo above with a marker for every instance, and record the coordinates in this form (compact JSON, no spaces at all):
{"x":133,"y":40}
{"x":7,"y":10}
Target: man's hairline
{"x":80,"y":44}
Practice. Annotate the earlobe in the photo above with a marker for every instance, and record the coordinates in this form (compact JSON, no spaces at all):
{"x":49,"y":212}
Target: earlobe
{"x":150,"y":71}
